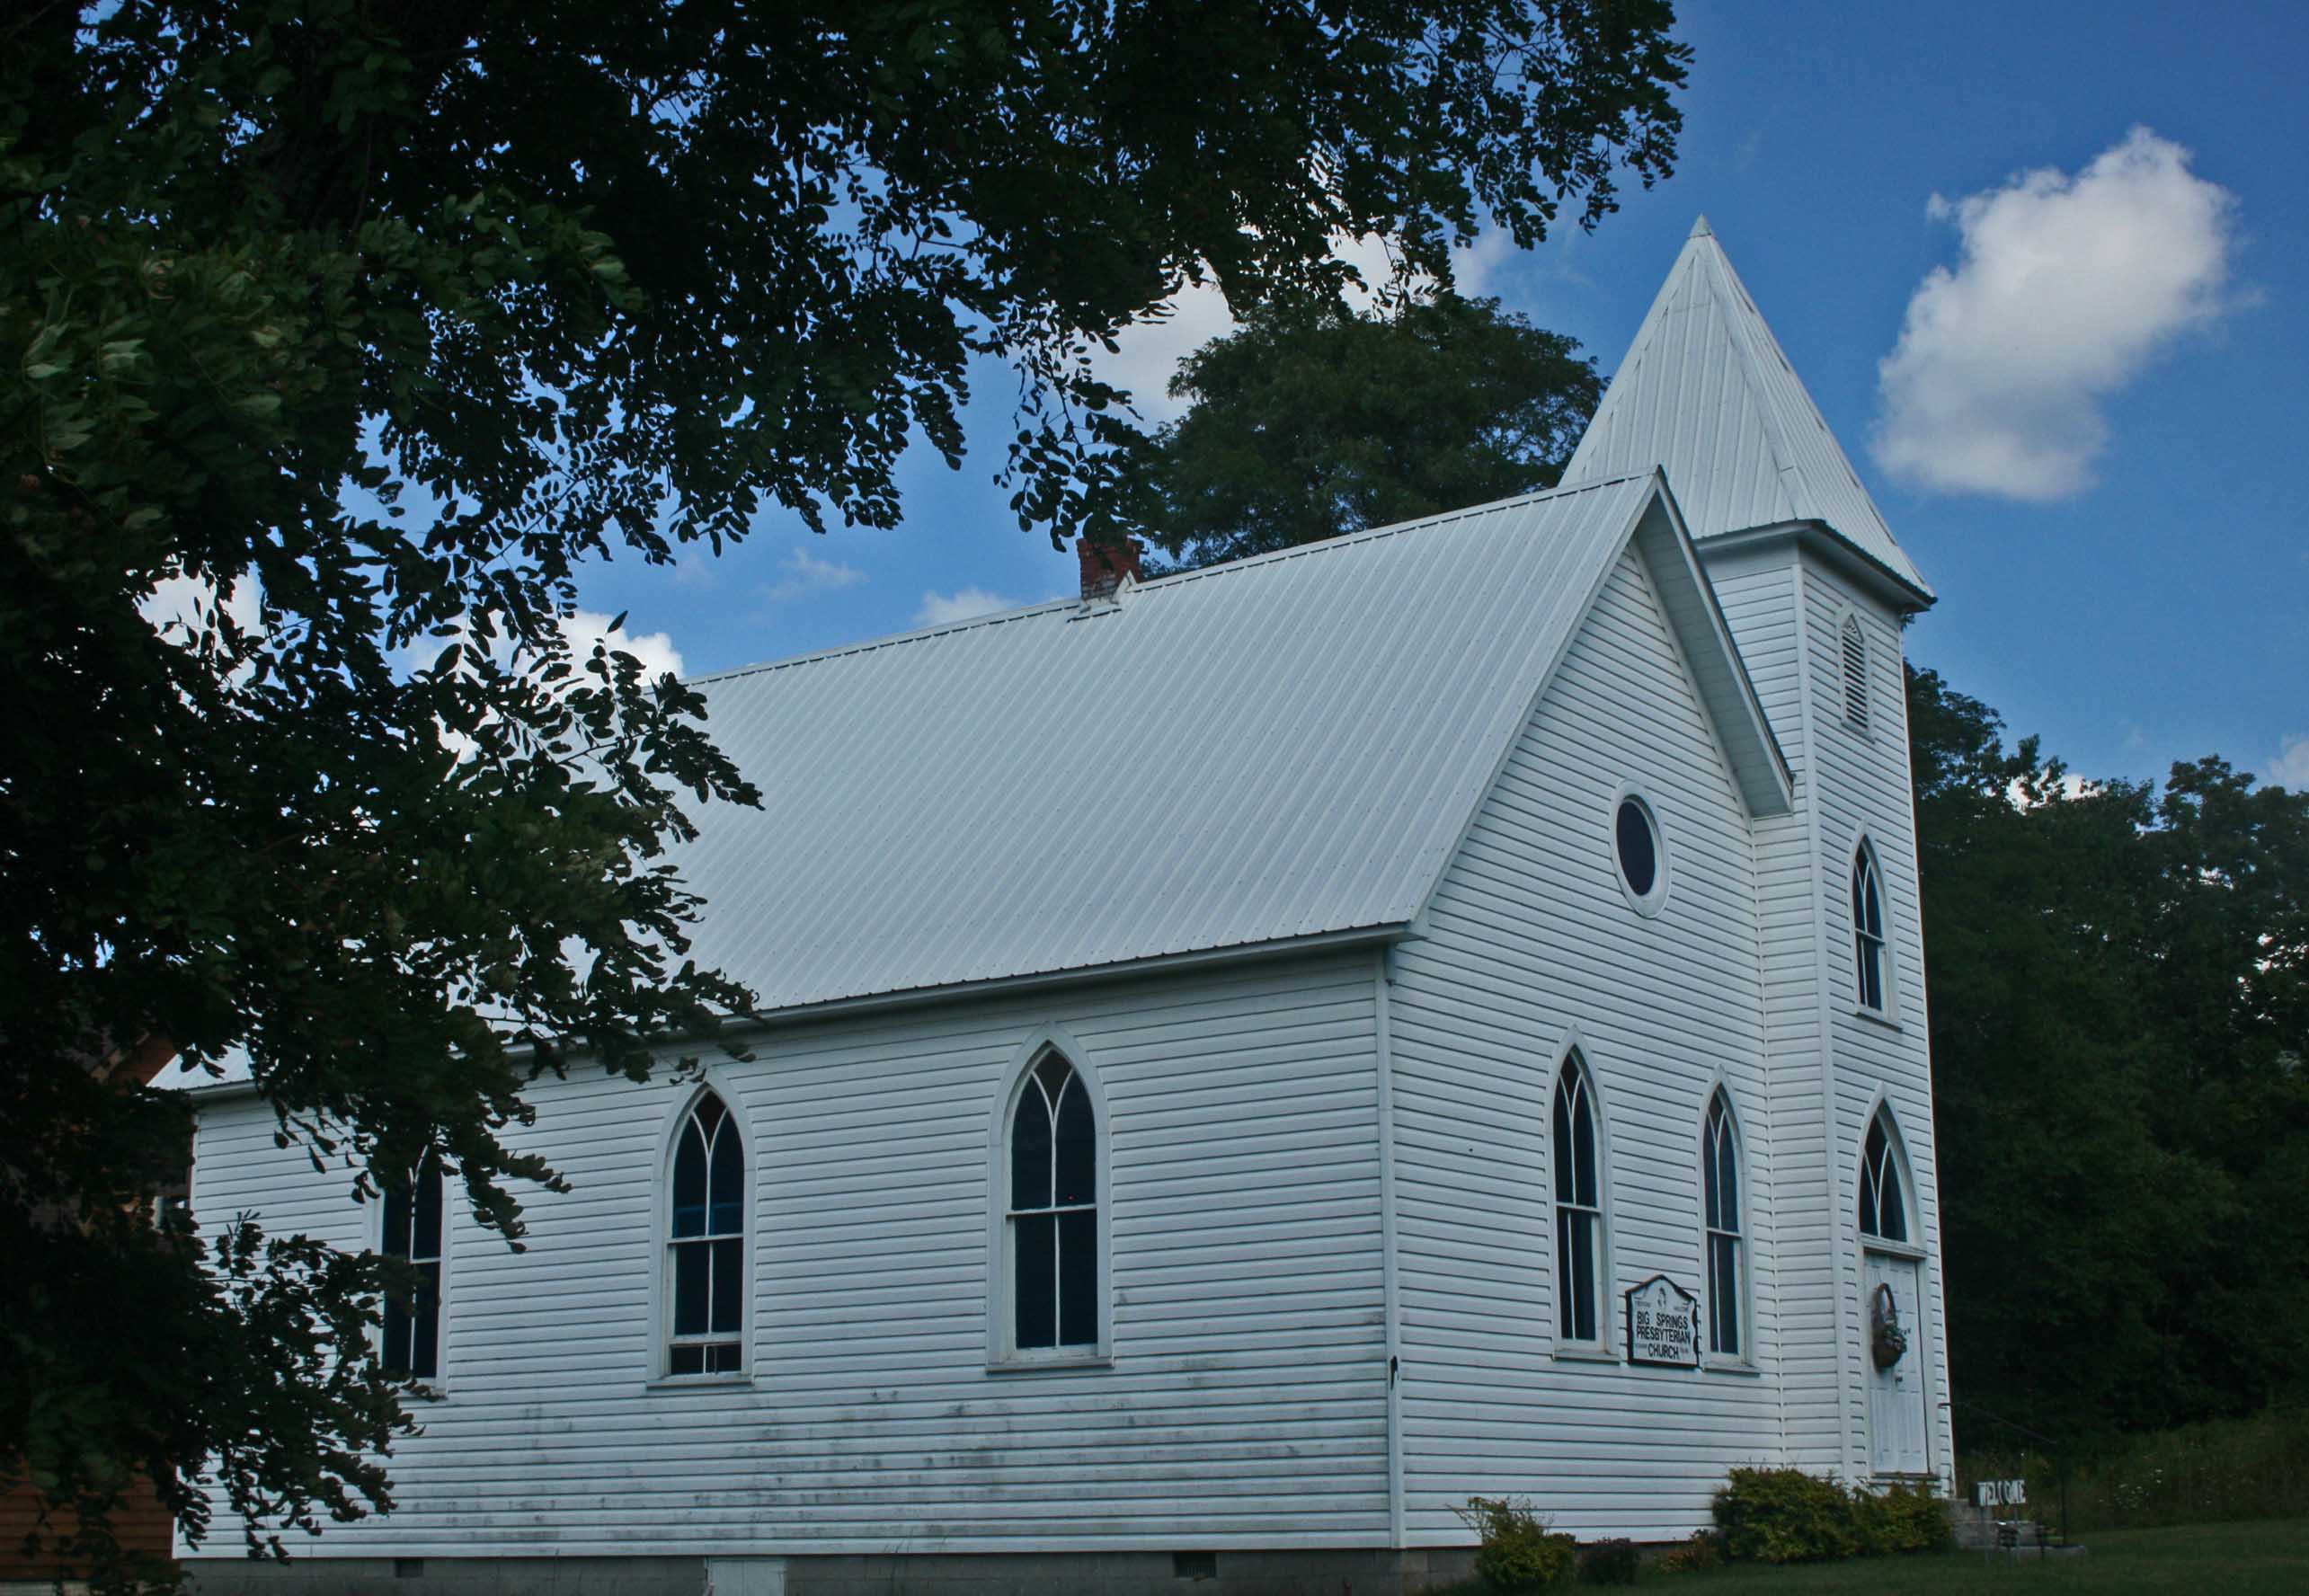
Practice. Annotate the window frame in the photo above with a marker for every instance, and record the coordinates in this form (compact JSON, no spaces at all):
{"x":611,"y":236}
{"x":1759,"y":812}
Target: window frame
{"x":1895,"y":1162}
{"x":1003,"y":1354}
{"x":434,"y":1385}
{"x":1741,"y":1235}
{"x":1865,"y":864}
{"x":662,"y":1376}
{"x":1647,"y":904}
{"x":1572,"y":1060}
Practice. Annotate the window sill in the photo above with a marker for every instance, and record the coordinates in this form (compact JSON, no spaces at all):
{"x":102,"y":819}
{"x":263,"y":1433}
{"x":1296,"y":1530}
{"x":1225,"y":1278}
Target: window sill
{"x":1877,"y":1016}
{"x":1734,"y":1365}
{"x":1579,"y":1354}
{"x":1015,"y":1365}
{"x":699,"y":1382}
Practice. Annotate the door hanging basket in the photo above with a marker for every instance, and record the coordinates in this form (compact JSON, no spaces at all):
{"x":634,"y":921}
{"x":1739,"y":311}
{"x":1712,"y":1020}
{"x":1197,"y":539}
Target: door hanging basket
{"x":1888,"y":1343}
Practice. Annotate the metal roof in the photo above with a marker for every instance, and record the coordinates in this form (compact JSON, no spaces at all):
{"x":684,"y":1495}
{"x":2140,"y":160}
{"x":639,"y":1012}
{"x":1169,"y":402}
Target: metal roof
{"x":1276,"y":749}
{"x":1707,"y":393}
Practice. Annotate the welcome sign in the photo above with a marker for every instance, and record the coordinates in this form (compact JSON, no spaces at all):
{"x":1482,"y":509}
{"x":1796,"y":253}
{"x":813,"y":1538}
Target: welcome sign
{"x":1663,"y":1324}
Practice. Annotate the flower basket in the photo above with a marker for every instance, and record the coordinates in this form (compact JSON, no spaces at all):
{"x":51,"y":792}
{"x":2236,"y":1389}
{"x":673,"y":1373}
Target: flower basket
{"x":1888,"y":1343}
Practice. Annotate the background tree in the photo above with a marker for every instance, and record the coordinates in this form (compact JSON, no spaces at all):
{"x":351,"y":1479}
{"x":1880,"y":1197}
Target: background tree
{"x":1313,"y":419}
{"x":2119,"y":1037}
{"x":371,"y":320}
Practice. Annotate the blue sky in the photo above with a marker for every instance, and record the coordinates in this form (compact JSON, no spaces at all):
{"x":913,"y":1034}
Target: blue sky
{"x":2100,"y":487}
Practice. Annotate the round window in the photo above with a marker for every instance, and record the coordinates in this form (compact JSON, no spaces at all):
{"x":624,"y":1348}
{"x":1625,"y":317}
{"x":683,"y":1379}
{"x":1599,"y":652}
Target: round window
{"x":1638,"y":839}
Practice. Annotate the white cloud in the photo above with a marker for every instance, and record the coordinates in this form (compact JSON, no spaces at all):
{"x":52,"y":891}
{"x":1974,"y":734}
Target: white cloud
{"x":2290,"y":768}
{"x":942,"y":609}
{"x":1152,"y":350}
{"x":807,"y":573}
{"x":585,"y":627}
{"x":2067,"y":286}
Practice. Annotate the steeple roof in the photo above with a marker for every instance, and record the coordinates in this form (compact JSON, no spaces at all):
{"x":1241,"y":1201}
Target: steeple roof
{"x":1707,"y":393}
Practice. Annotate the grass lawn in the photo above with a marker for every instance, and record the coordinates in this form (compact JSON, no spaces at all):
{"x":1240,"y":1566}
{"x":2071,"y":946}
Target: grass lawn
{"x":2204,"y":1559}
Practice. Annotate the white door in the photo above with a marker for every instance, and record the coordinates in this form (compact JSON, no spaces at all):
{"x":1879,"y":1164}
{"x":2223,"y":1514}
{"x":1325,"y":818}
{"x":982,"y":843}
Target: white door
{"x":1895,"y":1391}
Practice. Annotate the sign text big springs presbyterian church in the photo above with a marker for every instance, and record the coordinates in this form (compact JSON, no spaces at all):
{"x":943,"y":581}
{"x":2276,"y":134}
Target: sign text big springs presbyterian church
{"x":1663,"y":1324}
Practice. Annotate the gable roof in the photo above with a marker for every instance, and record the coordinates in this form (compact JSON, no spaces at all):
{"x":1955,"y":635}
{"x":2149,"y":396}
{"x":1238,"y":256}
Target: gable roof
{"x":1256,"y":754}
{"x":1707,"y":393}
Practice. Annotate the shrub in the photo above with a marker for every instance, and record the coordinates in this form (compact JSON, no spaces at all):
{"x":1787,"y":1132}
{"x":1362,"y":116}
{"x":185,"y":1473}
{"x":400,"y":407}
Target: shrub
{"x":1515,"y":1552}
{"x":1784,"y":1515}
{"x":1900,"y":1519}
{"x":1702,"y":1552}
{"x":1609,"y":1563}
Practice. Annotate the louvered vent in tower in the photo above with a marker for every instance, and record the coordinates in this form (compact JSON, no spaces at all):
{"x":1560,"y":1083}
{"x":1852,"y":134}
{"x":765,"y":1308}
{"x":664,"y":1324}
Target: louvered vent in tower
{"x":1855,"y":675}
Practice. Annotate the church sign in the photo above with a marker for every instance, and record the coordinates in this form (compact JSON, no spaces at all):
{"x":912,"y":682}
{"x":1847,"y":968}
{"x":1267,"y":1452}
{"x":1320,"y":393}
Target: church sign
{"x":1663,"y":1324}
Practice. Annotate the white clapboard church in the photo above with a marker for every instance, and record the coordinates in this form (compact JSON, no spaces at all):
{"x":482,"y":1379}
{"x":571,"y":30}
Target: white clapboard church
{"x":1246,"y":1061}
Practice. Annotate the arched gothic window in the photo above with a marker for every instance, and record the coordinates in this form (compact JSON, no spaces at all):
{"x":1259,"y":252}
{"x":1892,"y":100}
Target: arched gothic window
{"x":1868,"y":930}
{"x":412,"y":1233}
{"x":705,"y":1244}
{"x":1051,"y":1230}
{"x":1883,"y":1193}
{"x":1727,"y":1267}
{"x":1854,"y":643}
{"x":1579,"y":1208}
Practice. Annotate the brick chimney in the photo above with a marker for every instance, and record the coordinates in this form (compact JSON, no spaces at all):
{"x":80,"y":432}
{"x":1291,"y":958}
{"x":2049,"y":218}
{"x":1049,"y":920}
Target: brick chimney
{"x":1106,"y":565}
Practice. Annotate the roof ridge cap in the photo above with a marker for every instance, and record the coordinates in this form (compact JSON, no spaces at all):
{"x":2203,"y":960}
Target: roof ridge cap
{"x":1393,"y":529}
{"x":868,"y":645}
{"x":1177,"y":578}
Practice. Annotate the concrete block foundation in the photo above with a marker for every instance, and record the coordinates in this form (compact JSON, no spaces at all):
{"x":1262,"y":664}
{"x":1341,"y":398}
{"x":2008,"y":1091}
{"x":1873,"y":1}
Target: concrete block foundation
{"x":1376,"y":1571}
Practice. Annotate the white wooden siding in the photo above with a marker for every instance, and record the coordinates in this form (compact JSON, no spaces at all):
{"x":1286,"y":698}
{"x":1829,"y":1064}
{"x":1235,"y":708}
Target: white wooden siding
{"x":1785,"y":609}
{"x":1864,"y":790}
{"x":1759,"y":590}
{"x":1245,"y":1406}
{"x":1528,"y":938}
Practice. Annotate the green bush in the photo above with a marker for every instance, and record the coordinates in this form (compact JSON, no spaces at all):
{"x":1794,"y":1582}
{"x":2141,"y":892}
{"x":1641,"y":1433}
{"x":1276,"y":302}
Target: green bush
{"x":1702,"y":1552}
{"x":1515,"y":1552}
{"x":1785,"y":1515}
{"x":1609,"y":1563}
{"x":1900,"y":1519}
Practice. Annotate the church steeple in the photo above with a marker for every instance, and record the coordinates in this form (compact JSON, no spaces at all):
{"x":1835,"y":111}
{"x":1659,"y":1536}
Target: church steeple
{"x":1707,"y":393}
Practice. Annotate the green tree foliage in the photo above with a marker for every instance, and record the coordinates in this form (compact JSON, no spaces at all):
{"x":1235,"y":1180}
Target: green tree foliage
{"x":2119,"y":982}
{"x":373,"y":320}
{"x":1313,"y":420}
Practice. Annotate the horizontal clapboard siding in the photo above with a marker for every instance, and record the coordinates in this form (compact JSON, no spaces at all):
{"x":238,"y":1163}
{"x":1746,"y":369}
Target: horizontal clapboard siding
{"x":1865,"y":791}
{"x":1244,"y":1406}
{"x":1527,"y":938}
{"x":1759,"y":592}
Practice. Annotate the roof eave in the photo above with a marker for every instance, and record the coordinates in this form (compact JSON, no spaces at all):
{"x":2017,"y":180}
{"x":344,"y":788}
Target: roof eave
{"x":1835,"y":550}
{"x":1759,"y":768}
{"x":837,"y":1008}
{"x":1281,"y":947}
